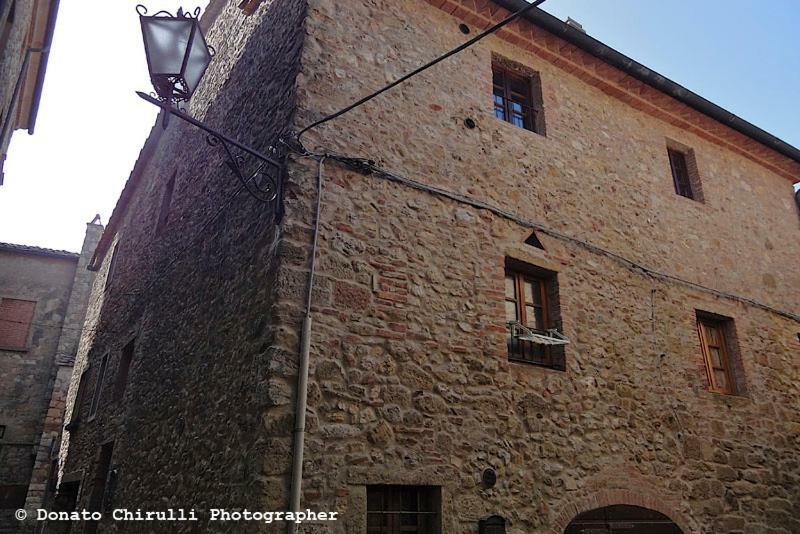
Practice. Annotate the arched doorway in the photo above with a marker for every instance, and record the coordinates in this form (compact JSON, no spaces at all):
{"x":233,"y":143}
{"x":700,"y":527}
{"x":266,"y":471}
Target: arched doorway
{"x":622,"y":519}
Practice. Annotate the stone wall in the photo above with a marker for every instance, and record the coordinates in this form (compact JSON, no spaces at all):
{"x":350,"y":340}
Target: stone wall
{"x":410,"y":379}
{"x":43,"y":476}
{"x":12,"y":55}
{"x":197,"y":300}
{"x":26,"y":376}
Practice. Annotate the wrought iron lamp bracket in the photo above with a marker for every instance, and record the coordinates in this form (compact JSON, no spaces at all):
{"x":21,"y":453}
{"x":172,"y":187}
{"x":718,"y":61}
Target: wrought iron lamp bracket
{"x":264,"y":183}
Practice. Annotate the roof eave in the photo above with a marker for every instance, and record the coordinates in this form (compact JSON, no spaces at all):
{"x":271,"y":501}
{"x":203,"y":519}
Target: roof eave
{"x":650,"y":77}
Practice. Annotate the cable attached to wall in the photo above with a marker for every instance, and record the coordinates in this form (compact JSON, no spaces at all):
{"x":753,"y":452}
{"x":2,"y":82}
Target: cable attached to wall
{"x":454,"y":51}
{"x":367,"y":166}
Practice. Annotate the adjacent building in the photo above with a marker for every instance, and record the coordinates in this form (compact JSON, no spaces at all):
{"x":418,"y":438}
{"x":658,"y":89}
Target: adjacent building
{"x":26,"y":33}
{"x":554,"y":291}
{"x":43,"y":296}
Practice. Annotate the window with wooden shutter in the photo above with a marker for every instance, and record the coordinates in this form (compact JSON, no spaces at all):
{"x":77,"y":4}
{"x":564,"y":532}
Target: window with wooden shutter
{"x":531,"y":299}
{"x":518,"y":98}
{"x":685,"y":174}
{"x":716,"y":353}
{"x":16,"y":317}
{"x":403,"y":510}
{"x":680,"y":173}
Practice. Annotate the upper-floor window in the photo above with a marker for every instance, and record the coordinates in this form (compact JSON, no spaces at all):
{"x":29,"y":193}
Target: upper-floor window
{"x":683,"y":166}
{"x":124,"y":369}
{"x":15,"y":322}
{"x":80,"y":395}
{"x":100,"y":484}
{"x":98,"y":386}
{"x":518,"y":98}
{"x":166,"y":203}
{"x":403,"y":510}
{"x":716,"y":343}
{"x":531,"y":300}
{"x":112,"y":267}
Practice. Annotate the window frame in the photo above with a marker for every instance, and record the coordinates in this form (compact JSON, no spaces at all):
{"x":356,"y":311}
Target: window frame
{"x":532,"y":97}
{"x":546,"y":357}
{"x":75,"y":416}
{"x":123,"y":369}
{"x":112,"y":267}
{"x":25,"y":346}
{"x":681,"y":179}
{"x":100,"y":483}
{"x":98,"y":387}
{"x":721,"y":326}
{"x":391,"y":509}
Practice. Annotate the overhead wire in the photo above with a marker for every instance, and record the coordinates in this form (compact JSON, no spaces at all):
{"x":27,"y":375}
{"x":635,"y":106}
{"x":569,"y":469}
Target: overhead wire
{"x":367,"y":166}
{"x":492,"y":29}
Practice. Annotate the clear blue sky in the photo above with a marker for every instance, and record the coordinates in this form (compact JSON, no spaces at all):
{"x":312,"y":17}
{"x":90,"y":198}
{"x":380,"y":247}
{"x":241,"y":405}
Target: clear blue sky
{"x":744,"y":56}
{"x":741,"y":55}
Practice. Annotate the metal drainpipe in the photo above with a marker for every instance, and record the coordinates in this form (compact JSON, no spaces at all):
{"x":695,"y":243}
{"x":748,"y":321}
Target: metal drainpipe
{"x":302,"y":373}
{"x":7,"y":120}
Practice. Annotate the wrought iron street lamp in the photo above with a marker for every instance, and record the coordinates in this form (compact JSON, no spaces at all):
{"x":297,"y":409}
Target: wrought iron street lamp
{"x":177,"y":52}
{"x":177,"y":58}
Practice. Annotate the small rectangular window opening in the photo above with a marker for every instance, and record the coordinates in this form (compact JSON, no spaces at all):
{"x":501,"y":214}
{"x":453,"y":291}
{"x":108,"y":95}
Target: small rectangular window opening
{"x":124,"y":369}
{"x":518,"y":98}
{"x":683,"y":167}
{"x":16,"y":317}
{"x":718,"y":348}
{"x":79,"y":396}
{"x":98,"y":387}
{"x":112,"y":266}
{"x":99,"y":484}
{"x":403,"y":510}
{"x":531,"y":299}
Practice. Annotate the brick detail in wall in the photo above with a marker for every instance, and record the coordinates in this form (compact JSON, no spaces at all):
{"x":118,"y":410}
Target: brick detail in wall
{"x":483,"y":13}
{"x":633,"y":496}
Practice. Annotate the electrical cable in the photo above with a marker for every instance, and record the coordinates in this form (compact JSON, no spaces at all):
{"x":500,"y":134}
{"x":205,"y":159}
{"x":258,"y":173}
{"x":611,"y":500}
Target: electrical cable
{"x":366,"y":166}
{"x":423,"y":68}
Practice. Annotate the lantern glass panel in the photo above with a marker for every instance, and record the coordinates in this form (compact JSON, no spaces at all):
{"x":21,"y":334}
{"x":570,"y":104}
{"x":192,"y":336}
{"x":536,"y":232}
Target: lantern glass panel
{"x":199,"y":58}
{"x":166,"y":40}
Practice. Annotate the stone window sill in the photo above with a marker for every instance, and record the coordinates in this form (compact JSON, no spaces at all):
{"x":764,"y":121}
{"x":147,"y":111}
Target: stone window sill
{"x":731,"y":399}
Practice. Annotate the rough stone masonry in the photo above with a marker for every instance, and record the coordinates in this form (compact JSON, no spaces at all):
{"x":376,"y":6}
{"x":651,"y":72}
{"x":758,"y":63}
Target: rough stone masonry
{"x":411,"y":382}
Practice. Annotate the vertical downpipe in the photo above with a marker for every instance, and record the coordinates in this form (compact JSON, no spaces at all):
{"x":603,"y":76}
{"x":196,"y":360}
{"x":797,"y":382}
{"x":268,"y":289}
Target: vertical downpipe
{"x":302,"y":373}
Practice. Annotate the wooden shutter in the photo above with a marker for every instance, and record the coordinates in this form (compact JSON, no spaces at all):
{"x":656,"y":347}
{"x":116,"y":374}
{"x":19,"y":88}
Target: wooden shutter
{"x":15,"y":322}
{"x":715,"y":354}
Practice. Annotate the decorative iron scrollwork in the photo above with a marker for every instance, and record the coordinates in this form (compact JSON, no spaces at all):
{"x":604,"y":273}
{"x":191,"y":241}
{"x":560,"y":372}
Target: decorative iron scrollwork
{"x":142,"y":11}
{"x":264,"y":183}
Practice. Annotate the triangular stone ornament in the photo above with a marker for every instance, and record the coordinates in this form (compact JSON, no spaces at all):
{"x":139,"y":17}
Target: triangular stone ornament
{"x":533,"y":240}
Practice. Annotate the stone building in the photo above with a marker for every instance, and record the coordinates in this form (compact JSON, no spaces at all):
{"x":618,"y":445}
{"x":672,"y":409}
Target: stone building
{"x":26,"y":33}
{"x":537,"y":177}
{"x":43,"y":296}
